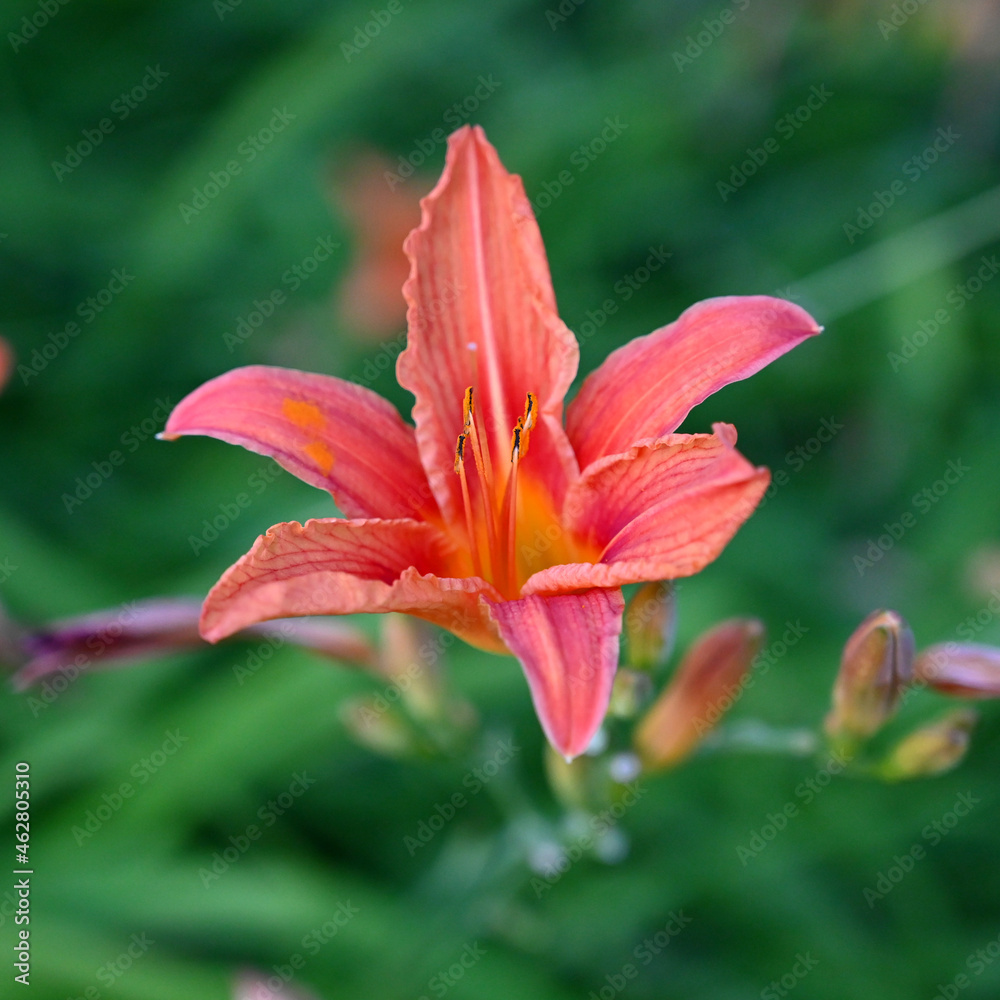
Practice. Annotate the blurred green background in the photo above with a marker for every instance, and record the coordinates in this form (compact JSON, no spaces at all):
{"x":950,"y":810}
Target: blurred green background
{"x":718,"y":159}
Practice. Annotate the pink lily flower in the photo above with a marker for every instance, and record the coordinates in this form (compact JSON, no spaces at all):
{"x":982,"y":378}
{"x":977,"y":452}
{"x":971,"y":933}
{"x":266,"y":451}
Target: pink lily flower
{"x":490,"y":517}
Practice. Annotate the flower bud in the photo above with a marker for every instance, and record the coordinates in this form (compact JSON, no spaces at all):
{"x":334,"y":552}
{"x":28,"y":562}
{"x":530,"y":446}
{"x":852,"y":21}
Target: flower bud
{"x":381,"y":728}
{"x":650,"y":625}
{"x":705,"y":686}
{"x":6,"y":362}
{"x":931,"y":749}
{"x":252,"y":985}
{"x":876,"y":666}
{"x":141,"y":630}
{"x":965,"y":671}
{"x":417,"y":676}
{"x":630,"y":691}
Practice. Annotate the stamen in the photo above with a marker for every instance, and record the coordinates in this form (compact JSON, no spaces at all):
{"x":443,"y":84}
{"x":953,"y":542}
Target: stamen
{"x":499,"y":514}
{"x":487,"y":485}
{"x":467,"y":503}
{"x":508,"y":516}
{"x":480,"y":442}
{"x":529,"y":412}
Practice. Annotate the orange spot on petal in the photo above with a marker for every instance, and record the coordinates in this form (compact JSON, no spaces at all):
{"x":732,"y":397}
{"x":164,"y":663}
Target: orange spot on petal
{"x":321,"y":455}
{"x":308,"y":416}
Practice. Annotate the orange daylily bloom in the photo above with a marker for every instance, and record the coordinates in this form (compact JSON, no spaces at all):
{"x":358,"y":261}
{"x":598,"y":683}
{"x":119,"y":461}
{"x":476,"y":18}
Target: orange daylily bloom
{"x":491,"y":517}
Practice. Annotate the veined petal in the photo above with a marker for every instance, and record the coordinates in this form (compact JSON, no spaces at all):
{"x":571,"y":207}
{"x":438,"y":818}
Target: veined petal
{"x":617,"y":489}
{"x":482,"y":313}
{"x":330,"y":566}
{"x":330,"y":433}
{"x":678,"y":537}
{"x":568,"y":647}
{"x":646,"y":388}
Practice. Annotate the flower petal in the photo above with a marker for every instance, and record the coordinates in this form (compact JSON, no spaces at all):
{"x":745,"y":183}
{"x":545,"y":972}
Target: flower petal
{"x":330,"y":566}
{"x":708,"y":680}
{"x":568,"y":647}
{"x":330,"y":433}
{"x":965,"y":670}
{"x":677,"y":537}
{"x":646,"y":388}
{"x":617,"y":489}
{"x":482,"y":313}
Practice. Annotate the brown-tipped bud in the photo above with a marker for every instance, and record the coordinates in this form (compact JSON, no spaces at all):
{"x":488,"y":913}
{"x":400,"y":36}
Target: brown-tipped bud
{"x":706,"y":685}
{"x":965,"y":671}
{"x":650,"y":625}
{"x":931,"y":749}
{"x":876,"y":666}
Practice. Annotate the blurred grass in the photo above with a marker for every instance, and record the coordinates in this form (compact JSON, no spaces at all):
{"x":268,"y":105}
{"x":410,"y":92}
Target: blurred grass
{"x":655,"y":184}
